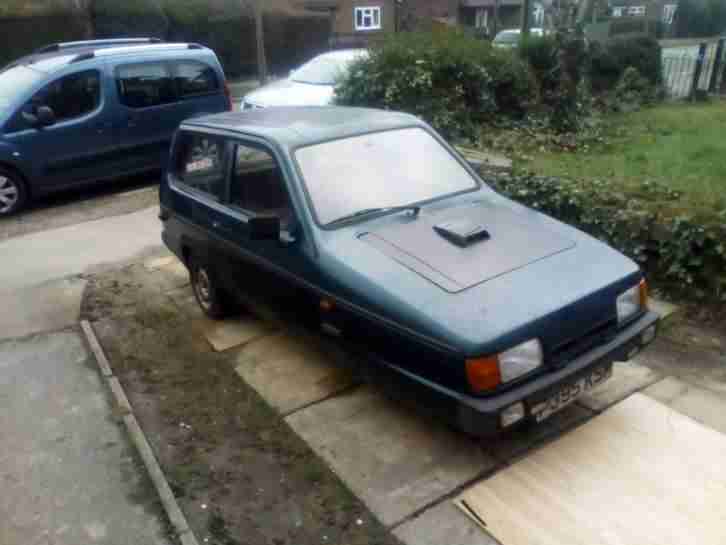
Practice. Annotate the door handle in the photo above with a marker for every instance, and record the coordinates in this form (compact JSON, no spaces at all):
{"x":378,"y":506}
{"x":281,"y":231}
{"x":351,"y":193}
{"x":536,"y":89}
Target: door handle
{"x":216,"y":225}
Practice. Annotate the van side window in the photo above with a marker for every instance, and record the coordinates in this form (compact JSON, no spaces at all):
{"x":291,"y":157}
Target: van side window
{"x":199,"y":163}
{"x":69,"y":97}
{"x":195,"y":78}
{"x":145,"y":85}
{"x":257,"y":185}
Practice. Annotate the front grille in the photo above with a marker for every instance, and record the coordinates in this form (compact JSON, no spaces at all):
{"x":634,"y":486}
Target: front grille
{"x":564,"y":353}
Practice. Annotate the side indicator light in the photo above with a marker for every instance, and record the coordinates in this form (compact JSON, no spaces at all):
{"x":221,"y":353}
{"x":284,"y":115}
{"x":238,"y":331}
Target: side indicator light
{"x":483,"y":373}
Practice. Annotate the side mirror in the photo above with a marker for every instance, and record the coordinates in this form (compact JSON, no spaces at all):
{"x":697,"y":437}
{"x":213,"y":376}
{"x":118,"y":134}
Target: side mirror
{"x":43,"y":117}
{"x":264,"y":228}
{"x":46,"y":116}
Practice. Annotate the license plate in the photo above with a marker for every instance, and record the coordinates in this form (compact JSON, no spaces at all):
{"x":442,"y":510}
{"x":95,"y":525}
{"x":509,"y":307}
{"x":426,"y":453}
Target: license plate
{"x":569,"y":393}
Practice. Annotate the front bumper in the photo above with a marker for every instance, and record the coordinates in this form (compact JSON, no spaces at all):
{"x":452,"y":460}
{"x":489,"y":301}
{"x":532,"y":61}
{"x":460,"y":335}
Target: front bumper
{"x":481,"y":416}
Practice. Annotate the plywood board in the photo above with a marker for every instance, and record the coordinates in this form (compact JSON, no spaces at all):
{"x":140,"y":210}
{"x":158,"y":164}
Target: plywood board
{"x":291,"y":370}
{"x":639,"y":474}
{"x":223,"y":335}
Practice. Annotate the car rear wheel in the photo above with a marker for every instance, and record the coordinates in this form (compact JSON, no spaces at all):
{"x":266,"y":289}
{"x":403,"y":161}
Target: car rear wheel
{"x":211,"y":297}
{"x":13,"y":193}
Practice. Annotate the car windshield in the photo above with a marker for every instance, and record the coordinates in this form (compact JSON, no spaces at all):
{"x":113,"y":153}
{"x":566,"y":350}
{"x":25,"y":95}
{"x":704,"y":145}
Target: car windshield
{"x":379,"y":170}
{"x":321,"y":71}
{"x":507,"y":38}
{"x":16,"y":81}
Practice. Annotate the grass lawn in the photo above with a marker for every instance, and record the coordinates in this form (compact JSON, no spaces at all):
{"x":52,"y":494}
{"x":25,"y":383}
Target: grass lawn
{"x":682,"y":146}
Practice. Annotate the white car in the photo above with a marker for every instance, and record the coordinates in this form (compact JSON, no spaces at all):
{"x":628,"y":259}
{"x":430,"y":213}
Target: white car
{"x":313,"y":84}
{"x":509,"y":39}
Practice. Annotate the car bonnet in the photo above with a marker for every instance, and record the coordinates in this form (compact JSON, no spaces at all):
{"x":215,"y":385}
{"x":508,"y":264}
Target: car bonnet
{"x":463,"y":246}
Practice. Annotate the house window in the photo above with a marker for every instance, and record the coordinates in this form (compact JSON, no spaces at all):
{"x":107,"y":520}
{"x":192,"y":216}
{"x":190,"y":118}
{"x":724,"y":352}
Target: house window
{"x":636,"y":11}
{"x":618,"y":12}
{"x":368,"y":18}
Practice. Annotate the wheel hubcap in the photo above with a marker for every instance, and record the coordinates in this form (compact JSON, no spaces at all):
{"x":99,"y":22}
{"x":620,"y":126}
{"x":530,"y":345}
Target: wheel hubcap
{"x":204,"y":289}
{"x":9,"y":194}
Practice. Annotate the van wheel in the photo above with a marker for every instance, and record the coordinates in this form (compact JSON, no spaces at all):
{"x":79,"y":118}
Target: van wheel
{"x":13,"y":193}
{"x":211,"y":297}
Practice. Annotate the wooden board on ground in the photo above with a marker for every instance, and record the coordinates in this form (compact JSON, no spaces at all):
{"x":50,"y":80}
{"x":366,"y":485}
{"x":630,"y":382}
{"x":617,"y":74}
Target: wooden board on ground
{"x":292,"y":370}
{"x":640,"y":473}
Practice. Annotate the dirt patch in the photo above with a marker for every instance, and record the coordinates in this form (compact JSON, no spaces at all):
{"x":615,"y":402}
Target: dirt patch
{"x":239,"y":473}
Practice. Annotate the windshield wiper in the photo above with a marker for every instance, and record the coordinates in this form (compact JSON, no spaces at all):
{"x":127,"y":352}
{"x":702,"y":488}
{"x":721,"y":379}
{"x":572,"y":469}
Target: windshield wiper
{"x":380,"y":210}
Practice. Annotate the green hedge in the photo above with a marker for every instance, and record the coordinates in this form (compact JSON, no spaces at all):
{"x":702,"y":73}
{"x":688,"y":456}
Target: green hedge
{"x":452,"y":80}
{"x":686,"y":256}
{"x":609,"y":62}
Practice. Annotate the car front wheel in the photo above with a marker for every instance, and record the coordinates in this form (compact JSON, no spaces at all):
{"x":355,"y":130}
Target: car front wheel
{"x":211,"y":297}
{"x":13,"y":193}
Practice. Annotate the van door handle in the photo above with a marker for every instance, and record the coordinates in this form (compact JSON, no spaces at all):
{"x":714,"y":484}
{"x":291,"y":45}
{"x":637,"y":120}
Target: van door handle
{"x":216,"y":225}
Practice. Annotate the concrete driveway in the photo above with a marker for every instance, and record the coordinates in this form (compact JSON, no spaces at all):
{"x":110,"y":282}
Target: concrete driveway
{"x":68,"y":474}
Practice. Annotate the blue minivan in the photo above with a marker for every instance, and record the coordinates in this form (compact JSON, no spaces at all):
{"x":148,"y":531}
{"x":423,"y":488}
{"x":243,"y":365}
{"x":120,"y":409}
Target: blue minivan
{"x":81,"y":112}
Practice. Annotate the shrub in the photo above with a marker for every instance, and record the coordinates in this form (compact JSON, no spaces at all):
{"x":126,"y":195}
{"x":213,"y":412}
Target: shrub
{"x":541,"y":54}
{"x":454,"y":81}
{"x":685,"y":255}
{"x":633,"y":91}
{"x":609,"y":62}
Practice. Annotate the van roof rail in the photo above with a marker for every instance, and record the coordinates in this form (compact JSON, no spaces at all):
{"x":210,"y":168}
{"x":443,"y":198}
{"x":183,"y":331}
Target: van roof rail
{"x":110,"y":51}
{"x":90,"y":43}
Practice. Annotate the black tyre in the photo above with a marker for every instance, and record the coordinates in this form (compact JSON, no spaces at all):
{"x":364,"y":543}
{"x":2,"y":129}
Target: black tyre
{"x":13,"y":192}
{"x":212,"y":299}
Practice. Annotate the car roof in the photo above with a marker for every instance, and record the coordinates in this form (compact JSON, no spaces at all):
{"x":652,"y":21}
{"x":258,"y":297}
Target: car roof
{"x":300,"y":126}
{"x":343,"y":54}
{"x":54,"y":57}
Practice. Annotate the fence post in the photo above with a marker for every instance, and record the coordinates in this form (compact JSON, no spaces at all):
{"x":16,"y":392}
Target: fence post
{"x":717,"y":66}
{"x":699,"y":68}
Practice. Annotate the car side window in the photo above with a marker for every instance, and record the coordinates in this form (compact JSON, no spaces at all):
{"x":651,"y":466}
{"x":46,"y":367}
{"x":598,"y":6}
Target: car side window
{"x":69,"y":97}
{"x":195,"y":78}
{"x":257,"y":185}
{"x":200,"y":163}
{"x":145,"y":85}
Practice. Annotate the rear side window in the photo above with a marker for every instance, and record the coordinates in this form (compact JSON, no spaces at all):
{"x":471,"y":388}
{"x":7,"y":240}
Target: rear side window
{"x":145,"y":85}
{"x":195,"y":78}
{"x":200,"y":163}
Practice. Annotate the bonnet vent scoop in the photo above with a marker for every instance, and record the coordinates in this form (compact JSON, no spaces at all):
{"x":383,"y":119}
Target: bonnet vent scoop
{"x":462,"y":232}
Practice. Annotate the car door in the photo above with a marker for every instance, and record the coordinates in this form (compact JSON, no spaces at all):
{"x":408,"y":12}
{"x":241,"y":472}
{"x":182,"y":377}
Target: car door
{"x":148,"y":114}
{"x":79,"y":145}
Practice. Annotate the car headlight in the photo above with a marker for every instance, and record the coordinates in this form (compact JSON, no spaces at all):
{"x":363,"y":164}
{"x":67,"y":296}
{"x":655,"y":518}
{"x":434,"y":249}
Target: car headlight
{"x":489,"y":372}
{"x":632,"y":301}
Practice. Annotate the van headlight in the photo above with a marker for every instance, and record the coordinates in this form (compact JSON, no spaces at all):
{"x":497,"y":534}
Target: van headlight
{"x":632,"y":302}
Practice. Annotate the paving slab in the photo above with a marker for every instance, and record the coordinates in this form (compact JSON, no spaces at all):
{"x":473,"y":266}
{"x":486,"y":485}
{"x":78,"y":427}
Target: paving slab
{"x":232,"y":332}
{"x":638,"y":473}
{"x":391,"y":457}
{"x":50,"y":306}
{"x":628,"y":377}
{"x":292,"y":370}
{"x":159,"y":262}
{"x":443,"y":524}
{"x":668,"y":312}
{"x":704,"y":406}
{"x":68,"y":474}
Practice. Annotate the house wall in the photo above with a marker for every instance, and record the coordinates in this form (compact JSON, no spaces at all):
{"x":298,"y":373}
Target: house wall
{"x":344,"y":17}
